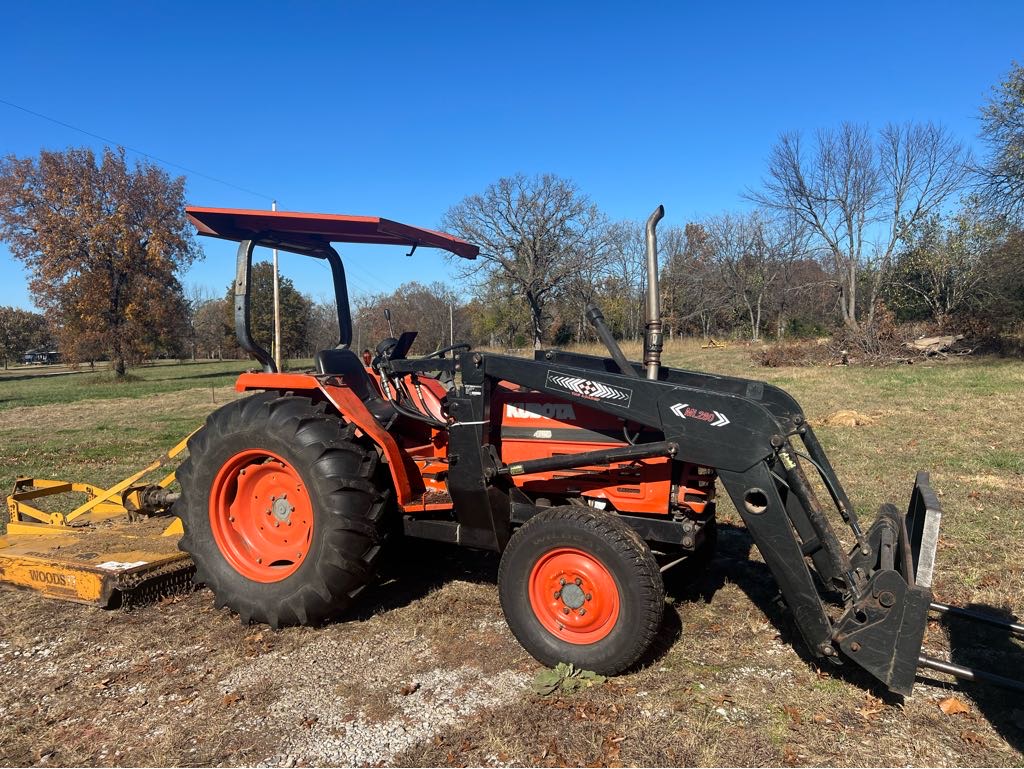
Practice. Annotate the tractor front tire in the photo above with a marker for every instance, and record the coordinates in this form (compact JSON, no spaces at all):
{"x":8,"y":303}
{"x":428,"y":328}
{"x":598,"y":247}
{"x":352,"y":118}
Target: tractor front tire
{"x":579,"y":585}
{"x":283,"y":510}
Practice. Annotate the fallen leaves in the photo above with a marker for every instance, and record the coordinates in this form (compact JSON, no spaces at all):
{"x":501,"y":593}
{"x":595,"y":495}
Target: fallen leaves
{"x":409,"y":688}
{"x":951,"y":706}
{"x":972,"y":738}
{"x":871,"y":708}
{"x":793,"y":712}
{"x":232,"y":698}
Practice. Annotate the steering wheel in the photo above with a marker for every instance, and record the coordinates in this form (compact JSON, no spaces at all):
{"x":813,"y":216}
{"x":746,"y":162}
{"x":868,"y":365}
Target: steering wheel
{"x":449,"y":348}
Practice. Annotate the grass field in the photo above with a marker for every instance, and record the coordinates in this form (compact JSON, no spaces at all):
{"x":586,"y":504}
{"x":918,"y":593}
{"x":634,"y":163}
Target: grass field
{"x":427,"y":672}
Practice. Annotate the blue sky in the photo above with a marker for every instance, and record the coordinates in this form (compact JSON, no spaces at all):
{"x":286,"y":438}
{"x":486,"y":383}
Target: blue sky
{"x":402,"y":109}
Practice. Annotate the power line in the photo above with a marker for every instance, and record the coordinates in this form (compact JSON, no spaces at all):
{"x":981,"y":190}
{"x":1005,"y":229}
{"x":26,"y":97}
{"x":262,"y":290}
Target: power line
{"x":133,"y":149}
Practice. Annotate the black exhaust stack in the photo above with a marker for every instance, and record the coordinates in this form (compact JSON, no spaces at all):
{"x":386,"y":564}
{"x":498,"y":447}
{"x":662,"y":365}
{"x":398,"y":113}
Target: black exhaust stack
{"x":653,"y":338}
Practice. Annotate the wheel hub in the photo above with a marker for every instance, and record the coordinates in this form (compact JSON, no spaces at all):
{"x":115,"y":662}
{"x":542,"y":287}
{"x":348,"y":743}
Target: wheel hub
{"x":574,"y":596}
{"x":281,"y":509}
{"x":261,"y":515}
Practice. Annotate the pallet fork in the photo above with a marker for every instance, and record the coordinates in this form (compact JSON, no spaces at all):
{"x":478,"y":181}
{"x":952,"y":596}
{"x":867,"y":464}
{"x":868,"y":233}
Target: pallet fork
{"x":118,"y":547}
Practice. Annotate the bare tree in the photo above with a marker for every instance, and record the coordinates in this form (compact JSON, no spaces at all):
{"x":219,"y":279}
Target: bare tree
{"x":751,"y":253}
{"x":691,"y":284}
{"x":860,"y":195}
{"x":213,"y":334}
{"x":1002,"y":129}
{"x":626,"y":277}
{"x":536,"y":231}
{"x":434,"y":311}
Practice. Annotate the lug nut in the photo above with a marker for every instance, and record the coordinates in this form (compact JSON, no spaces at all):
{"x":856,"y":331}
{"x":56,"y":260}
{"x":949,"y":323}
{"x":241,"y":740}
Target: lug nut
{"x":855,"y":647}
{"x":588,"y":596}
{"x":259,"y":560}
{"x":558,"y":594}
{"x":565,"y":610}
{"x":582,"y":612}
{"x":231,"y":519}
{"x":579,"y":581}
{"x":561,"y":581}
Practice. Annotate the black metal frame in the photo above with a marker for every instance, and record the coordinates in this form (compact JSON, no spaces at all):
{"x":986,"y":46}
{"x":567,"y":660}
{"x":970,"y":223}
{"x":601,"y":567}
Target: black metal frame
{"x":242,"y":298}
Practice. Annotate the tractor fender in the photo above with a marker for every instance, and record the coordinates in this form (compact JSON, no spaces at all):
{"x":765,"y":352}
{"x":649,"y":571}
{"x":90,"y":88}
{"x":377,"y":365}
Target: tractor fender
{"x":352,"y":410}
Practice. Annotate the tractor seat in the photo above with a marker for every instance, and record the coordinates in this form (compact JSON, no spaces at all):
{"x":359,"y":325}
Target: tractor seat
{"x":346,"y":364}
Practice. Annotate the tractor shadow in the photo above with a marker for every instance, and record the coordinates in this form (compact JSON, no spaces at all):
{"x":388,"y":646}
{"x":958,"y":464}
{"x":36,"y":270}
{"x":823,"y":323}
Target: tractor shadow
{"x":411,"y":569}
{"x":733,"y":563}
{"x":994,"y":651}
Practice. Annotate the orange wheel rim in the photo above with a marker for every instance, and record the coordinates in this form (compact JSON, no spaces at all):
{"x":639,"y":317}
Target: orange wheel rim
{"x":261,"y":515}
{"x":574,"y":596}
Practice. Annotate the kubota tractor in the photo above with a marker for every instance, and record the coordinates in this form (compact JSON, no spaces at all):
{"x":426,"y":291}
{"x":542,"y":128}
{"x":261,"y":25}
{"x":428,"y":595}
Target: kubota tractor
{"x":590,"y":475}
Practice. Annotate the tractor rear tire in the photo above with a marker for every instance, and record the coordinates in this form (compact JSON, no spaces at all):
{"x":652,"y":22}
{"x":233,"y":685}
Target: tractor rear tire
{"x":579,"y":585}
{"x":283,"y":510}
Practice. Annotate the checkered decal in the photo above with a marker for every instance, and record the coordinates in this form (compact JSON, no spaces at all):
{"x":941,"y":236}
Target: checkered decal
{"x":587,"y":388}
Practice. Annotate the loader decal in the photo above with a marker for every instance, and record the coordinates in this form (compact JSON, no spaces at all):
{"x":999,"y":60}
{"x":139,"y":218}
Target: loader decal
{"x":589,"y":389}
{"x":713,"y":418}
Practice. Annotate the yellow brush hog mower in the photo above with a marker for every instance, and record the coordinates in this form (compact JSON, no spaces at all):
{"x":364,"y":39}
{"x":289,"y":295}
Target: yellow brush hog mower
{"x":117,"y":548}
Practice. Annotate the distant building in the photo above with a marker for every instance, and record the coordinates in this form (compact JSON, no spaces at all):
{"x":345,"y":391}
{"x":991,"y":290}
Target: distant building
{"x":41,"y":355}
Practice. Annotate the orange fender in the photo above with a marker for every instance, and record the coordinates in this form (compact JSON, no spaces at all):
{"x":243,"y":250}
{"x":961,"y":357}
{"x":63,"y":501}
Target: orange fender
{"x":352,"y":410}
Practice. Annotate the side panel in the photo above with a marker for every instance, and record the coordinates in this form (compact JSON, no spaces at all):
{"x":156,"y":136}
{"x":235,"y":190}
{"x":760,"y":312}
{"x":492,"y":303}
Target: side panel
{"x":534,"y":425}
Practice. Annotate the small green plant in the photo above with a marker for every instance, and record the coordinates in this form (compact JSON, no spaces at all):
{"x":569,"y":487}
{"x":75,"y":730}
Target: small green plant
{"x":566,"y":678}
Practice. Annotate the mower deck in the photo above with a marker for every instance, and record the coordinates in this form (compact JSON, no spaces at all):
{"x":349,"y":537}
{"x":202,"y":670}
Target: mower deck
{"x":111,"y":563}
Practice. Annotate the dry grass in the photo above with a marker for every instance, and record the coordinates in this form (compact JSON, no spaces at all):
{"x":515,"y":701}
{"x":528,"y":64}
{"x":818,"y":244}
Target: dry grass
{"x":181,"y":683}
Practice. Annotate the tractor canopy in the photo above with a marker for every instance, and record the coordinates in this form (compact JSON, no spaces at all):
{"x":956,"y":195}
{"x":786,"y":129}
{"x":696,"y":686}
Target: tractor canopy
{"x":309,"y":233}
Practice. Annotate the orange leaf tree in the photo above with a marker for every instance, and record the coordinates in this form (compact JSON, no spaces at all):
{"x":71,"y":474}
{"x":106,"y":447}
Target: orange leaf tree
{"x":103,"y":243}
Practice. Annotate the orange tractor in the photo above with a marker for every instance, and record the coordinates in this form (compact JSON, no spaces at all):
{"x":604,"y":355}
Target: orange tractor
{"x":590,"y":475}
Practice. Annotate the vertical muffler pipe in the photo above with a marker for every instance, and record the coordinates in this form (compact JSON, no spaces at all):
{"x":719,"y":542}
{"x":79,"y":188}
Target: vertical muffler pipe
{"x":653,"y":338}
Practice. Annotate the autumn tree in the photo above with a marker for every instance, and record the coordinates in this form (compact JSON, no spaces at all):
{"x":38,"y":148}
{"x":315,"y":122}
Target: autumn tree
{"x":103,"y":242}
{"x":21,"y":331}
{"x":323,"y":332}
{"x":295,"y":311}
{"x":859,"y":194}
{"x":434,"y":311}
{"x":940,"y":272}
{"x":536,"y":232}
{"x":213,"y":332}
{"x":1002,"y":129}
